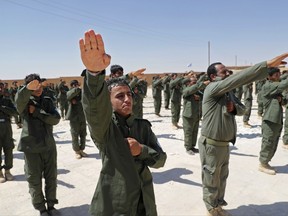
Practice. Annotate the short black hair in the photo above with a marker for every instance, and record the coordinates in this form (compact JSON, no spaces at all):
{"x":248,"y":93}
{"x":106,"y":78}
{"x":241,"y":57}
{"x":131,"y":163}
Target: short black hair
{"x":212,"y":69}
{"x":32,"y":77}
{"x":115,"y":68}
{"x":113,"y":82}
{"x":74,"y":82}
{"x":273,"y":70}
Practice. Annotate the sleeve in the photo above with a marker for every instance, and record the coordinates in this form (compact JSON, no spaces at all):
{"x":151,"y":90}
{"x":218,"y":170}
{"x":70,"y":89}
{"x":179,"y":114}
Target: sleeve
{"x":152,"y":153}
{"x":22,"y":98}
{"x":97,"y":106}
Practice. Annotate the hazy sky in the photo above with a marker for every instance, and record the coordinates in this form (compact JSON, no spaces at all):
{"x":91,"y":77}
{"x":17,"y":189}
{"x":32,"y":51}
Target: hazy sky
{"x":41,"y":36}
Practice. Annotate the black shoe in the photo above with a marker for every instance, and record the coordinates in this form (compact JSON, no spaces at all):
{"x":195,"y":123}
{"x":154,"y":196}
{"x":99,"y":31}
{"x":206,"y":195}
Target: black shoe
{"x":53,"y":212}
{"x":195,"y":150}
{"x":44,"y":213}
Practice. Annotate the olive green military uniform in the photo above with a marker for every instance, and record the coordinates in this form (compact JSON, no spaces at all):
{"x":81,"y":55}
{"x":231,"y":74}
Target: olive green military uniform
{"x":191,"y":114}
{"x":125,"y":184}
{"x":7,"y":109}
{"x":272,"y":121}
{"x":259,"y":85}
{"x":239,"y":92}
{"x":39,"y":146}
{"x":13,"y":90}
{"x":176,"y":95}
{"x":157,"y":88}
{"x":218,"y":129}
{"x":166,"y":91}
{"x":75,"y":115}
{"x":62,"y":98}
{"x":138,"y":88}
{"x":49,"y":92}
{"x":285,"y":104}
{"x":248,"y":98}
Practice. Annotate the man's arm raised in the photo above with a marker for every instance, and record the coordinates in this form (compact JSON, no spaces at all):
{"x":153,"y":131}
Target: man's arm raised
{"x":93,"y":52}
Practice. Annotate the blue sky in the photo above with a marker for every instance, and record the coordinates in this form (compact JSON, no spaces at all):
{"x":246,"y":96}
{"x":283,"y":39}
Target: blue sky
{"x":40,"y":36}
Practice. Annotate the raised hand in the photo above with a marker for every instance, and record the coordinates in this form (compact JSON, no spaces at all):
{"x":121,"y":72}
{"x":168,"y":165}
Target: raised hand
{"x":138,"y":73}
{"x":275,"y":62}
{"x":93,"y":52}
{"x":34,"y":85}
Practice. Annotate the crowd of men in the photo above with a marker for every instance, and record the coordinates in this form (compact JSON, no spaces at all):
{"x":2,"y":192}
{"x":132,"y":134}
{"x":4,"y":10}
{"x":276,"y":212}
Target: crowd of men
{"x":113,"y":110}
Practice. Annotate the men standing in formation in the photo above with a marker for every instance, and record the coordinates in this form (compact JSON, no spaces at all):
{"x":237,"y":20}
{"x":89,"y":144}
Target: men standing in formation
{"x":157,"y":88}
{"x":219,"y":127}
{"x":62,"y":98}
{"x":75,"y":115}
{"x":37,"y":142}
{"x":176,"y":96}
{"x":272,"y":120}
{"x":248,"y":98}
{"x":192,"y":112}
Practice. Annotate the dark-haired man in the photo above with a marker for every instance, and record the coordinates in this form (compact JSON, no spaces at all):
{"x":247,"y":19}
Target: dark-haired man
{"x":39,"y":115}
{"x":272,"y":120}
{"x":219,"y":127}
{"x":75,"y":115}
{"x":127,"y":145}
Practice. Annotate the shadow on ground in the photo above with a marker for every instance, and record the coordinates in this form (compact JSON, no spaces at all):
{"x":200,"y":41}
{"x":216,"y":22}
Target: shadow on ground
{"x":274,"y":209}
{"x":174,"y":175}
{"x":81,"y":210}
{"x":168,"y":136}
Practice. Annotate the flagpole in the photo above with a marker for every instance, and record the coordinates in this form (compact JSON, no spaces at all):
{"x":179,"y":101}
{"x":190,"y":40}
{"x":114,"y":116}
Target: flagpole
{"x":208,"y":53}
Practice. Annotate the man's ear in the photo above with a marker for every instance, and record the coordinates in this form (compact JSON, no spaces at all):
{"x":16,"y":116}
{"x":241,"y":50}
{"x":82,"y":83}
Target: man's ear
{"x":212,"y":76}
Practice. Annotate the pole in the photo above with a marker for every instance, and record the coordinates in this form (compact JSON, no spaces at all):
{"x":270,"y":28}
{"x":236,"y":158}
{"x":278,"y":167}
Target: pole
{"x":208,"y":53}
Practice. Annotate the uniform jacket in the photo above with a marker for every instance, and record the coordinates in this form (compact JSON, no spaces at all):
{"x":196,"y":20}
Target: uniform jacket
{"x":123,"y":177}
{"x":217,"y":123}
{"x":176,"y":89}
{"x":191,"y":105}
{"x":36,"y":135}
{"x":157,"y":88}
{"x":272,"y":99}
{"x":75,"y":109}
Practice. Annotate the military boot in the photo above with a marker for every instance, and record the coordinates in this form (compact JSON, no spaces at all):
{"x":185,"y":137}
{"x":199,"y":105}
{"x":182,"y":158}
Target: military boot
{"x":78,"y":155}
{"x":83,"y":154}
{"x":222,"y":212}
{"x":2,"y":178}
{"x":8,"y":175}
{"x":213,"y":212}
{"x":246,"y":124}
{"x":266,"y":168}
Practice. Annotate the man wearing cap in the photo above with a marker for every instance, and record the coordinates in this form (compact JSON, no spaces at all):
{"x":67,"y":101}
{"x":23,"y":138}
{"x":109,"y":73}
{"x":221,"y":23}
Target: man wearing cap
{"x":7,"y":109}
{"x":37,"y":142}
{"x":75,"y":115}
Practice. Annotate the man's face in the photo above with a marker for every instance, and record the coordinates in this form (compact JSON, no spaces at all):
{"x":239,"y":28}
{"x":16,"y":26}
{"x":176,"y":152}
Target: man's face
{"x":275,"y":77}
{"x":118,"y":73}
{"x":222,"y":72}
{"x":38,"y":92}
{"x":121,"y":100}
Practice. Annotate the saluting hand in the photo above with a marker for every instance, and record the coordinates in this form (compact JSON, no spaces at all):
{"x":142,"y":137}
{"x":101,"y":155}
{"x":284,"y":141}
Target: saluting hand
{"x":93,"y":52}
{"x":135,"y":146}
{"x":229,"y":106}
{"x":275,"y":62}
{"x":34,"y":85}
{"x":137,"y":73}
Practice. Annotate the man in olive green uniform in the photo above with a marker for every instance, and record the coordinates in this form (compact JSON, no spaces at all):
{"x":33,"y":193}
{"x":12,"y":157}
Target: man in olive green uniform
{"x":39,"y":115}
{"x":7,"y":110}
{"x":127,"y":145}
{"x":138,"y":87}
{"x":75,"y":115}
{"x":13,"y":90}
{"x":166,"y":90}
{"x":157,"y":88}
{"x":239,"y":92}
{"x":219,"y":127}
{"x":259,"y":85}
{"x":272,"y":121}
{"x":176,"y":95}
{"x":192,"y":112}
{"x":48,"y":91}
{"x":62,"y":98}
{"x":248,"y":98}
